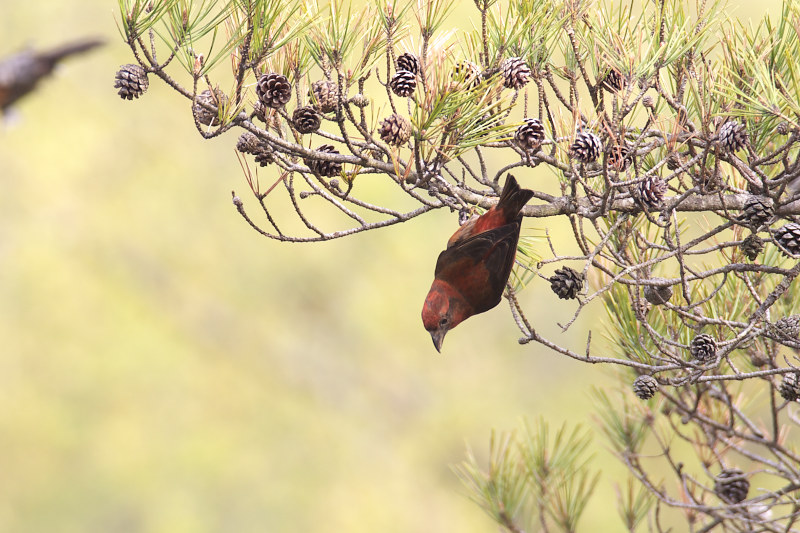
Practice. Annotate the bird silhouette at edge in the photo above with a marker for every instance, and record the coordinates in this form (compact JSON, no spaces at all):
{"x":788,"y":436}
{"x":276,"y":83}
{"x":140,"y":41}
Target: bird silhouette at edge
{"x":21,"y":73}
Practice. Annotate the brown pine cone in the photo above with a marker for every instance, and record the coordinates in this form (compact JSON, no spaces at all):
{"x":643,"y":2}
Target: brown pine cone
{"x":566,"y":283}
{"x":516,"y":73}
{"x":325,"y":95}
{"x":324,"y":168}
{"x":131,"y":80}
{"x":409,"y":62}
{"x":613,"y":81}
{"x":274,"y":90}
{"x":306,"y":119}
{"x":732,"y":486}
{"x":586,"y":148}
{"x":395,"y":130}
{"x":403,"y":83}
{"x":620,"y":157}
{"x":206,"y":116}
{"x":529,"y":134}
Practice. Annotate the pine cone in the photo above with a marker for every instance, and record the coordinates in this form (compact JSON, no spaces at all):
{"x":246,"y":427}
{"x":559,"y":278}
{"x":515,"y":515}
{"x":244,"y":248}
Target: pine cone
{"x":586,"y":148}
{"x":409,"y":62}
{"x":403,"y":83}
{"x":306,"y":119}
{"x":751,"y":246}
{"x":468,"y":73}
{"x":788,"y":239}
{"x":359,"y":100}
{"x":529,"y":134}
{"x":648,"y":101}
{"x":651,"y":191}
{"x":260,"y":111}
{"x":674,"y":161}
{"x":131,"y":80}
{"x":274,"y":90}
{"x":516,"y":73}
{"x":613,"y":81}
{"x":645,"y":387}
{"x":731,"y":485}
{"x":732,"y":136}
{"x":325,"y":95}
{"x":757,"y":211}
{"x":704,"y":348}
{"x":247,"y":143}
{"x":204,"y":115}
{"x":395,"y":130}
{"x":788,"y":327}
{"x":619,"y":157}
{"x":782,"y":128}
{"x":657,"y":294}
{"x":790,"y":387}
{"x":264,"y":154}
{"x":324,"y":168}
{"x":566,"y":283}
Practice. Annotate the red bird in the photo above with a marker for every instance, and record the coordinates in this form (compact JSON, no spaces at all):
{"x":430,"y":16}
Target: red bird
{"x":472,"y":272}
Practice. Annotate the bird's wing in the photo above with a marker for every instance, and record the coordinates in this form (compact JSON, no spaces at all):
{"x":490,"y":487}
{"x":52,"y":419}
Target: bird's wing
{"x":479,"y":266}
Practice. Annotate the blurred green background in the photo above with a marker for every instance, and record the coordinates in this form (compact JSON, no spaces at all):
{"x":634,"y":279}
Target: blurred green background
{"x":163,"y":368}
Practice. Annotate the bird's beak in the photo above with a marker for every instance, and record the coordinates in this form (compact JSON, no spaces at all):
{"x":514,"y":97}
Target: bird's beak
{"x":438,"y":338}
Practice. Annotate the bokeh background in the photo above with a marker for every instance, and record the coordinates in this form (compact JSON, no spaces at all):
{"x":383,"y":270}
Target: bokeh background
{"x":163,"y":368}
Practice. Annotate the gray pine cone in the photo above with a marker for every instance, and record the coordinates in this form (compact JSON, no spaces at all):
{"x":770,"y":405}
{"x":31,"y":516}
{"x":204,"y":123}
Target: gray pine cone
{"x":704,"y":348}
{"x":732,"y":486}
{"x":732,"y":136}
{"x":757,"y":211}
{"x":274,"y":90}
{"x":652,"y":191}
{"x":586,"y":148}
{"x":566,"y":283}
{"x":359,"y":100}
{"x":529,"y":134}
{"x":790,"y":387}
{"x":657,"y":294}
{"x":787,"y":238}
{"x":131,"y":80}
{"x":645,"y":387}
{"x":751,"y":246}
{"x":788,"y":327}
{"x":247,"y":143}
{"x":264,"y":154}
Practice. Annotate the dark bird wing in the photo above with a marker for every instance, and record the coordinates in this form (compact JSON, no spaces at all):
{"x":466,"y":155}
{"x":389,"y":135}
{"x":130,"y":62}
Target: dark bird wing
{"x":20,"y":73}
{"x":479,"y":266}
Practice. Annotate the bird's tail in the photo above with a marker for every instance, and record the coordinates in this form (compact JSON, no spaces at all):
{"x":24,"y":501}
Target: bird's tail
{"x":513,"y":198}
{"x":57,"y":54}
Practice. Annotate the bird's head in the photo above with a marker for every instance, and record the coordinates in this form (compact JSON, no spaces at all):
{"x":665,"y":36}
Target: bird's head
{"x":443,"y":310}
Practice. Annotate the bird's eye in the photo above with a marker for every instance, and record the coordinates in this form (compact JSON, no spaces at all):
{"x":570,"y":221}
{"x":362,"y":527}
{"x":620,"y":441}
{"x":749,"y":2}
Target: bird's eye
{"x":443,"y":322}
